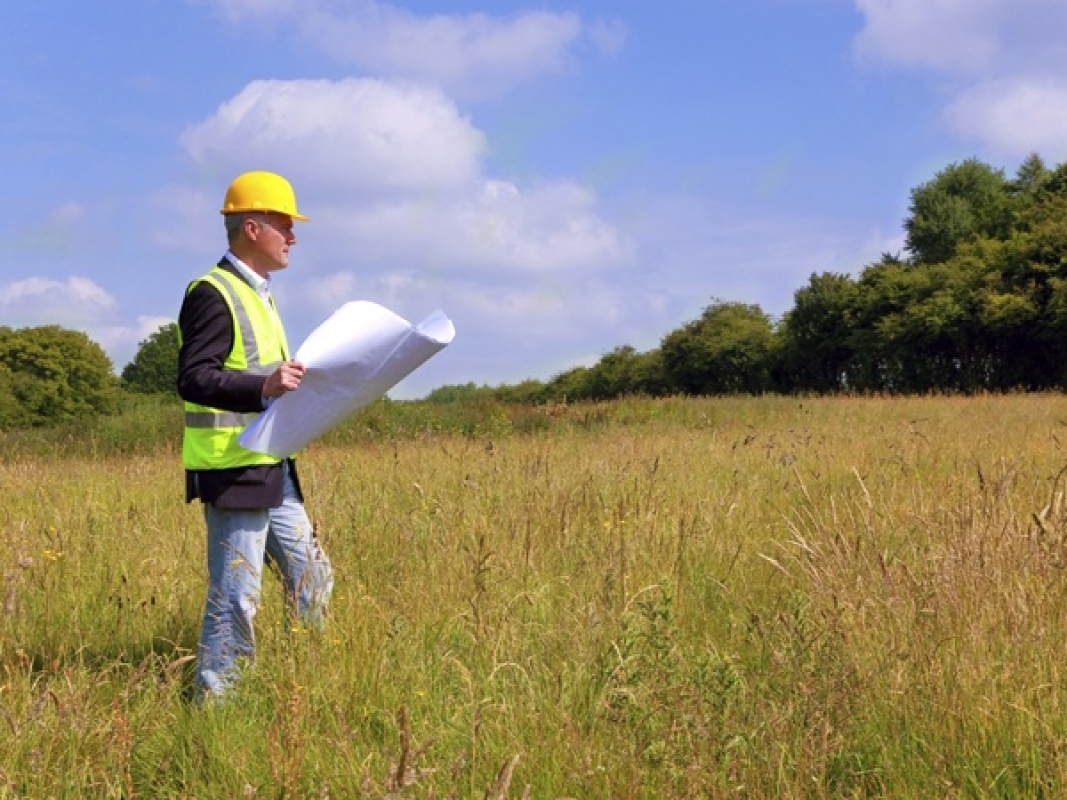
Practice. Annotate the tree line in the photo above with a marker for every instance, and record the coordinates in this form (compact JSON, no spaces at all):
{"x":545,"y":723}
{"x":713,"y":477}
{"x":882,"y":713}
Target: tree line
{"x":976,"y":302}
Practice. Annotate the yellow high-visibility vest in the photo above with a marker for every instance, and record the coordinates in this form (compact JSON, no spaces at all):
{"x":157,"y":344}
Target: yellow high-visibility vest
{"x":210,"y":440}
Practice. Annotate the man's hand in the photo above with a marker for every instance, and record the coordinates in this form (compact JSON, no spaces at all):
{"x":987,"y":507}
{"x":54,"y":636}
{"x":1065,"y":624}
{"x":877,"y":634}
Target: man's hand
{"x":284,"y":379}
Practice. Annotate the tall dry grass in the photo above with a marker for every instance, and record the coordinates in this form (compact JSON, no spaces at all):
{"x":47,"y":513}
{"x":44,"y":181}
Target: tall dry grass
{"x":763,"y":597}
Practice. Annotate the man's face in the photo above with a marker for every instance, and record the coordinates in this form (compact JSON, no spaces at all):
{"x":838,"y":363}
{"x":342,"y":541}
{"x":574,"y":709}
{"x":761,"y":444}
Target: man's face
{"x":270,"y":236}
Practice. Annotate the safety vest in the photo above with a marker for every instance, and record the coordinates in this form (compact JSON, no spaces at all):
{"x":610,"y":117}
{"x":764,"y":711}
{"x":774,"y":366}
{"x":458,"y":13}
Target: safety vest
{"x":210,"y":440}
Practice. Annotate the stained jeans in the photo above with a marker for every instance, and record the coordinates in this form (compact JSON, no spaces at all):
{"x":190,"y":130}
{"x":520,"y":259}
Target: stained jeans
{"x":237,"y":543}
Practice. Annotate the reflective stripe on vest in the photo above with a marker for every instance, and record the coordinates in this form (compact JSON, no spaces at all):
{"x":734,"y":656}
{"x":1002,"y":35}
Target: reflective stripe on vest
{"x":218,"y":419}
{"x":210,"y":440}
{"x":241,"y":321}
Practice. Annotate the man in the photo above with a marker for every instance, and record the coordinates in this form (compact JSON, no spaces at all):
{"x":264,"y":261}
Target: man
{"x":234,"y":360}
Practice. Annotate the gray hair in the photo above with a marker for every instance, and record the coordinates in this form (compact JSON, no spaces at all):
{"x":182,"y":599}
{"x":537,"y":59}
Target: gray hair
{"x":234,"y":223}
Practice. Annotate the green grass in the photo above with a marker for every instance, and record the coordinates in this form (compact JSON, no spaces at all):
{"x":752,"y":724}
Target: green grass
{"x":762,"y":597}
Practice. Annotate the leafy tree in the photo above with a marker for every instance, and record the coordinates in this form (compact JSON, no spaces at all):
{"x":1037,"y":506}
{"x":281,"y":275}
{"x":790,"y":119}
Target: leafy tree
{"x":1054,"y":183}
{"x":1031,"y":178}
{"x":12,"y":412}
{"x":1021,"y":298}
{"x":815,"y":349}
{"x":458,"y":393}
{"x":155,"y":367}
{"x":625,"y":371}
{"x":55,"y":375}
{"x":727,"y":351}
{"x":570,"y":385}
{"x":962,"y":202}
{"x":530,"y":391}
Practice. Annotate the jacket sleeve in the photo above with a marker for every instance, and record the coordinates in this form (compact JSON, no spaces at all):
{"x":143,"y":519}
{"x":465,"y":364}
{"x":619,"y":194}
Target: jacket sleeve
{"x":207,"y":338}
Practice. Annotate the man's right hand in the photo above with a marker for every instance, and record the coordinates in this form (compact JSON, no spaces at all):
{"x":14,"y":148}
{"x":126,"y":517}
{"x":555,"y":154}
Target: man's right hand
{"x":284,"y":379}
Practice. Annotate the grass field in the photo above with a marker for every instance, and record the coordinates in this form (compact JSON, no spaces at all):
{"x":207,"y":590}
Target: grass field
{"x":762,"y":597}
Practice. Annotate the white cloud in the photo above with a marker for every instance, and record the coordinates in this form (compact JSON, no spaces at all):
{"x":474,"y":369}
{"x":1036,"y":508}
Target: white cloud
{"x":328,"y":291}
{"x":146,"y":326}
{"x":359,"y":135}
{"x":76,"y":304}
{"x":469,"y":55}
{"x":980,"y":38}
{"x":1005,"y":59}
{"x":957,"y":35}
{"x":122,"y":341}
{"x":1014,"y":117}
{"x":73,"y":302}
{"x":490,"y":226}
{"x":551,"y":228}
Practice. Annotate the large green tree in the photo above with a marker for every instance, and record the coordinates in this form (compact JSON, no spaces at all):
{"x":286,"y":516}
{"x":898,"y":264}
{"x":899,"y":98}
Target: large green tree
{"x":962,"y":202}
{"x":155,"y":367}
{"x":625,"y":371}
{"x":816,"y":353}
{"x":54,"y":375}
{"x":727,"y":351}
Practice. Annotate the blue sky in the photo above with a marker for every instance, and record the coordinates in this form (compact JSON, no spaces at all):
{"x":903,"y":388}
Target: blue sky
{"x":560,"y":178}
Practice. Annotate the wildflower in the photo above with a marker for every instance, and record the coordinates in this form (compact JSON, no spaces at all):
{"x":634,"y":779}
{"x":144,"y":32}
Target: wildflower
{"x":52,"y":555}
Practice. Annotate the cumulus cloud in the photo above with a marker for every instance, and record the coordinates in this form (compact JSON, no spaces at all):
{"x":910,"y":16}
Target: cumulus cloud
{"x":469,"y":55}
{"x":80,"y":304}
{"x":358,"y":134}
{"x":123,"y":340}
{"x":1004,"y":59}
{"x":74,"y":302}
{"x":493,"y":227}
{"x":943,"y":34}
{"x":968,"y":37}
{"x":1014,"y":116}
{"x":393,"y":175}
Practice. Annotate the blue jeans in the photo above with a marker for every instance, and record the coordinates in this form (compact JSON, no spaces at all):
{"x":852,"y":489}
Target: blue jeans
{"x":238,"y":541}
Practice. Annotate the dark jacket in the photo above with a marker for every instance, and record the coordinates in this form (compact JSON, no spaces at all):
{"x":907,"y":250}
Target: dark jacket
{"x":207,"y":338}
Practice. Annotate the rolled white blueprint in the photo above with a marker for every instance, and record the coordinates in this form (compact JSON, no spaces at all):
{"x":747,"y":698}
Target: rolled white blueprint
{"x":352,"y":359}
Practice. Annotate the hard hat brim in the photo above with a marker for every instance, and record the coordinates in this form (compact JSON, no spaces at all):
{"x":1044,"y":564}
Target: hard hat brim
{"x":290,"y":214}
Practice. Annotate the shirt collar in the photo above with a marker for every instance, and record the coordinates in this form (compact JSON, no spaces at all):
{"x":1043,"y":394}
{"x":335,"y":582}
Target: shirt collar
{"x":260,"y":284}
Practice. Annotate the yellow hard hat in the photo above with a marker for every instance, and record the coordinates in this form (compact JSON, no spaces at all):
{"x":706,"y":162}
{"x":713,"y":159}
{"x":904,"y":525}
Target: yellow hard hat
{"x":261,"y":191}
